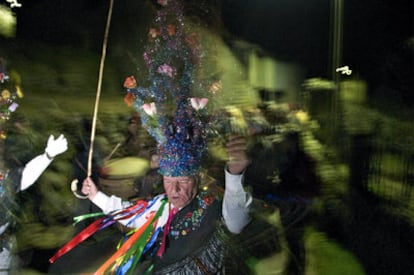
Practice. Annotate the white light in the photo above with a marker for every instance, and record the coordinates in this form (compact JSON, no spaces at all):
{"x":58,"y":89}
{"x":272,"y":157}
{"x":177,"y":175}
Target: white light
{"x":7,"y":22}
{"x":14,"y":4}
{"x":344,"y":70}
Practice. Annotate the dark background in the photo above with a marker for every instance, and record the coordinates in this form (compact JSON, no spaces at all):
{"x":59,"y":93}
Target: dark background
{"x":377,"y":45}
{"x":376,"y":33}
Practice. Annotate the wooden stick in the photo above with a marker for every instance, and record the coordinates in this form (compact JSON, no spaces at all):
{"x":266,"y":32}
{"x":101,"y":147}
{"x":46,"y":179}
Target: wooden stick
{"x":99,"y":87}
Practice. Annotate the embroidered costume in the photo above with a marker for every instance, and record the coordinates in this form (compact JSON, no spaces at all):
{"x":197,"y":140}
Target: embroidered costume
{"x":196,"y":235}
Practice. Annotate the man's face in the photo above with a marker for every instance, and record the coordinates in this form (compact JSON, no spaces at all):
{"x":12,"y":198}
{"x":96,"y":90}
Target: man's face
{"x":180,"y":190}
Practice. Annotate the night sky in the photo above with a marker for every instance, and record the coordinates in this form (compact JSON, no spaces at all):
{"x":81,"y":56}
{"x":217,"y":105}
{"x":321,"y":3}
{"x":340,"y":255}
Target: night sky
{"x":300,"y":30}
{"x":375,"y":32}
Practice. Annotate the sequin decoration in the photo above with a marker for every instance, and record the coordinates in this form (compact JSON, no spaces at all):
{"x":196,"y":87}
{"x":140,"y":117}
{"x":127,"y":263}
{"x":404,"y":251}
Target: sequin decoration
{"x":180,"y":128}
{"x":192,"y":220}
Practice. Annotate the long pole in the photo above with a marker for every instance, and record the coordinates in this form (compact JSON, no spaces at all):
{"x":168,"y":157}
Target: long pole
{"x":336,"y":60}
{"x":99,"y":87}
{"x":74,"y":183}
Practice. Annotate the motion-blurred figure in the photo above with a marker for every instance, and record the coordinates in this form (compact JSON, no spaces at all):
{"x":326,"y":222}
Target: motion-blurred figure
{"x":283,"y":175}
{"x":15,"y":174}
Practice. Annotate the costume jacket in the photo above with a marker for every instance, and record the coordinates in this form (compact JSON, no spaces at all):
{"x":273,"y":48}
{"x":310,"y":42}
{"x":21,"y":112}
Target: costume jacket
{"x":194,"y":244}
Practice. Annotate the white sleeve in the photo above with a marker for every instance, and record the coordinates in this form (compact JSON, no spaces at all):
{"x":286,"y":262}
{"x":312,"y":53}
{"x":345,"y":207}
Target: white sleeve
{"x":107,"y":203}
{"x":33,"y":169}
{"x":236,"y":203}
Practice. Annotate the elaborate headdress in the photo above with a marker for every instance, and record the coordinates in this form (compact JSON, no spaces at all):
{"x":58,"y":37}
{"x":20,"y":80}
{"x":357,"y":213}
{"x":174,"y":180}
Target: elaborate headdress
{"x":172,"y":117}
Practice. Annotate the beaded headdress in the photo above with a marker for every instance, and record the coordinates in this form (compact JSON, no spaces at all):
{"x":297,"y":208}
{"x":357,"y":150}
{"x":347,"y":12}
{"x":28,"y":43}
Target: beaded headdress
{"x":177,"y":121}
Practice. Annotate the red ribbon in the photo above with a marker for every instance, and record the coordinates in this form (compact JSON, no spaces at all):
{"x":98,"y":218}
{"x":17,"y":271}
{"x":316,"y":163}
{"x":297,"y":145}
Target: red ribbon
{"x":127,"y":245}
{"x":83,"y":235}
{"x":97,"y":225}
{"x":161,"y":250}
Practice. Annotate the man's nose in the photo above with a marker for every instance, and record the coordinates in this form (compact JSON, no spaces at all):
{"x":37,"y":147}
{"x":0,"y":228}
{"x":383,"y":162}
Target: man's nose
{"x":176,"y":186}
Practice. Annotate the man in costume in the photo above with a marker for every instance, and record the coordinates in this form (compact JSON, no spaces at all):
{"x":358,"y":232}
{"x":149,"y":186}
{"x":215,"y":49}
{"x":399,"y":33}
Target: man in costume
{"x":14,"y":179}
{"x":184,"y":230}
{"x":190,"y":240}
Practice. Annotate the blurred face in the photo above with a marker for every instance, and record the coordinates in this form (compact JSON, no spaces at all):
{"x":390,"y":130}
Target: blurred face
{"x":154,"y":161}
{"x":180,"y":190}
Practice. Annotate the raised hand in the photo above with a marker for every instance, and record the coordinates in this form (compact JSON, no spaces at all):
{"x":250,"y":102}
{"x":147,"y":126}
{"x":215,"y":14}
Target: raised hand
{"x":236,"y":151}
{"x":55,"y":147}
{"x":89,"y":188}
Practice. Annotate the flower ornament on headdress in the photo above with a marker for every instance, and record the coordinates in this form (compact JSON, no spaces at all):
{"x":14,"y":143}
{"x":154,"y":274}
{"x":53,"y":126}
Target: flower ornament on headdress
{"x":176,"y":120}
{"x":166,"y":69}
{"x":198,"y":103}
{"x":150,"y":108}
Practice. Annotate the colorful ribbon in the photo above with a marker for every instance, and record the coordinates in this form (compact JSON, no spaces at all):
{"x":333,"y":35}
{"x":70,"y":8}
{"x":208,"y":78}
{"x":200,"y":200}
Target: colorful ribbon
{"x":128,"y":255}
{"x":160,"y":251}
{"x":99,"y":224}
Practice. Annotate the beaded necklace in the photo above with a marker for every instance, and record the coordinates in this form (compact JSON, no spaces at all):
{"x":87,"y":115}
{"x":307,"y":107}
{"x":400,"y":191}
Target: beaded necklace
{"x":191,"y":220}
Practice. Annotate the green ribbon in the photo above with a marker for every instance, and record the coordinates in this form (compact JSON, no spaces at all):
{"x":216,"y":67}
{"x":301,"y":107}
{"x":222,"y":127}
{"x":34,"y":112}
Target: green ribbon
{"x":86,"y":216}
{"x":137,"y":249}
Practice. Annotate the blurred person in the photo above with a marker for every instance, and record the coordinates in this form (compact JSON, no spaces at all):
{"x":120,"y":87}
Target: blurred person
{"x":25,"y":177}
{"x":138,"y":142}
{"x":284,"y":176}
{"x":151,"y":184}
{"x":15,"y":176}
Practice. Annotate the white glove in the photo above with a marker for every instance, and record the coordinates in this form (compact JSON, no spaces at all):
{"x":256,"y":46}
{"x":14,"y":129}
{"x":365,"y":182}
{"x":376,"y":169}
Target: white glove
{"x":34,"y":168}
{"x":55,"y":147}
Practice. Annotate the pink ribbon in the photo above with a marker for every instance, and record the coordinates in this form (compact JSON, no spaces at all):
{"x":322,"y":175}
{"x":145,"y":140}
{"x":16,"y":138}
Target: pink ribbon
{"x":161,"y":250}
